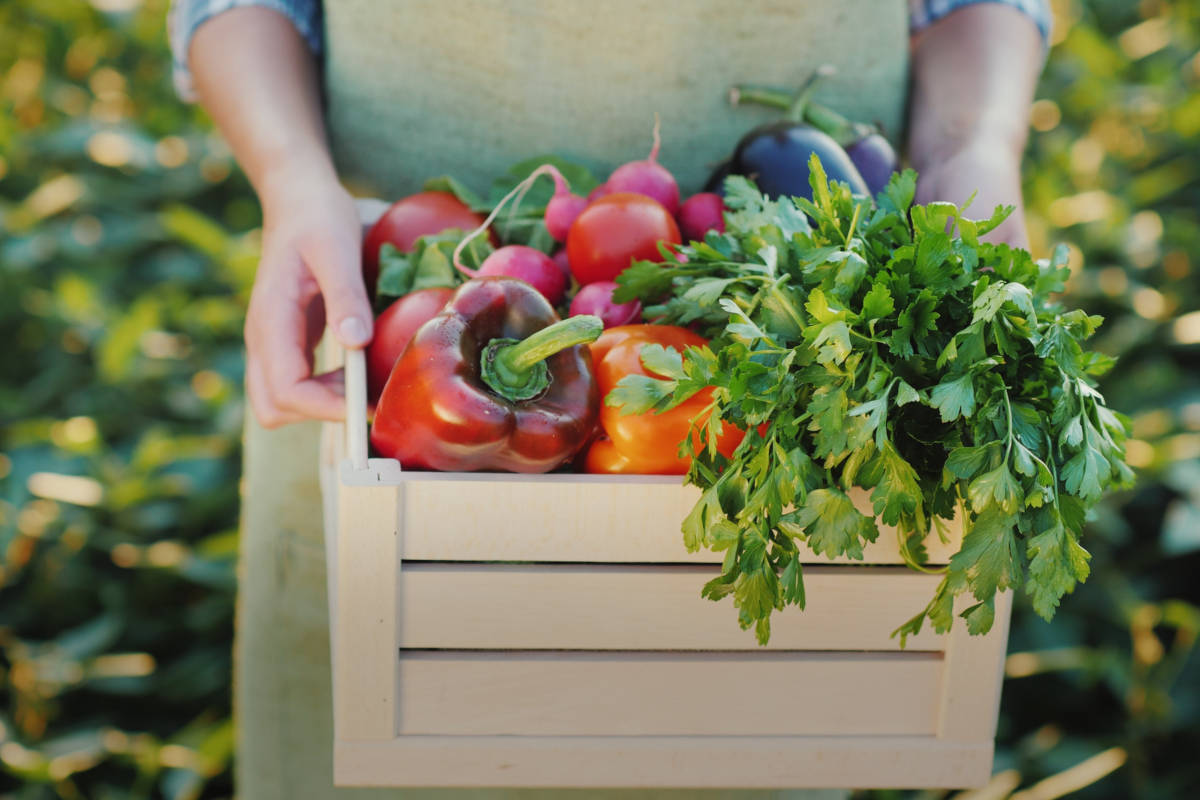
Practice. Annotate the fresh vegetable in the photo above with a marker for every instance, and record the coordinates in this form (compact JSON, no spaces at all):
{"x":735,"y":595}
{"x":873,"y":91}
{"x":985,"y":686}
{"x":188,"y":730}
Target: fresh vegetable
{"x":647,"y":177}
{"x":560,"y":260}
{"x":615,"y":231}
{"x":875,"y":159}
{"x":596,"y":299}
{"x":561,"y":212}
{"x":421,"y":214}
{"x":532,"y":266}
{"x":649,"y":443}
{"x":700,"y":214}
{"x":776,"y":155}
{"x":393,"y":330}
{"x":871,"y":153}
{"x":494,"y":382}
{"x":887,"y":348}
{"x":602,"y":190}
{"x":562,"y":209}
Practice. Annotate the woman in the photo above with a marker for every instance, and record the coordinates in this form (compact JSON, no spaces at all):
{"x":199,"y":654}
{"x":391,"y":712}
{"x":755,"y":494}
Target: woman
{"x":421,"y":88}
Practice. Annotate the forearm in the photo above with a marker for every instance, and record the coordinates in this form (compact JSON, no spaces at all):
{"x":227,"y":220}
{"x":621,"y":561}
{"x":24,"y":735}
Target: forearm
{"x":974,"y":75}
{"x":257,"y":78}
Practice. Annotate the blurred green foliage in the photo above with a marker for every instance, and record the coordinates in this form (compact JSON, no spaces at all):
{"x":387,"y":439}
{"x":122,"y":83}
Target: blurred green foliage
{"x":127,"y":243}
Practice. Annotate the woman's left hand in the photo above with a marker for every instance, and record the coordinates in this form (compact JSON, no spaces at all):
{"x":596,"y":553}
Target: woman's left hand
{"x":988,"y":170}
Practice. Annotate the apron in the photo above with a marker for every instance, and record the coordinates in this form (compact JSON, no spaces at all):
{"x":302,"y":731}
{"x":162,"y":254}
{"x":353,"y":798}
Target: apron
{"x":422,"y":88}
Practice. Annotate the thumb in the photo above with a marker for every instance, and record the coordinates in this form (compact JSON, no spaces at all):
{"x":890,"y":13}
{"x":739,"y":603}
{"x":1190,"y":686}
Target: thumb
{"x":337,"y":267}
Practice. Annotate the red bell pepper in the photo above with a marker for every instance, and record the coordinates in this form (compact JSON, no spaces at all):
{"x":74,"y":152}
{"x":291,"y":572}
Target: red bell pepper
{"x":494,"y":382}
{"x":648,"y":443}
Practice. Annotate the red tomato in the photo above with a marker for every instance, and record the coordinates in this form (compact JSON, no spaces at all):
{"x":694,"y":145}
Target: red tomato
{"x":393,"y":329}
{"x":615,"y":231}
{"x":409,"y":219}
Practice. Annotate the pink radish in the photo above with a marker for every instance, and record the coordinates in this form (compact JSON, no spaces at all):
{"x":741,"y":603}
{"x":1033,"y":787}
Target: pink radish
{"x":598,"y":192}
{"x":562,"y":209}
{"x":516,"y":260}
{"x":647,"y":177}
{"x":596,"y":298}
{"x":700,"y":214}
{"x":532,"y":266}
{"x":560,"y":258}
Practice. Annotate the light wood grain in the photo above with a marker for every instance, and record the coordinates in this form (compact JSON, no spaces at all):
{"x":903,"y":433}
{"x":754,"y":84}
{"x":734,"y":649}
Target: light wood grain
{"x":567,"y":517}
{"x":624,"y":607}
{"x":612,"y":694}
{"x":697,"y":762}
{"x":970,"y":702}
{"x":364,"y":641}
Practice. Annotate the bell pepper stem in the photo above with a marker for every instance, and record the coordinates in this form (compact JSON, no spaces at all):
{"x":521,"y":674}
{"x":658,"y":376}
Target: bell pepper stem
{"x":516,"y":370}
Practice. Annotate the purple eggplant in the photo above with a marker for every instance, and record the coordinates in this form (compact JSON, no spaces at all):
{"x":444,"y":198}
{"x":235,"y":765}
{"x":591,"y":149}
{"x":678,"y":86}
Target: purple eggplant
{"x":872,"y":157}
{"x":775,"y":156}
{"x":876,"y":160}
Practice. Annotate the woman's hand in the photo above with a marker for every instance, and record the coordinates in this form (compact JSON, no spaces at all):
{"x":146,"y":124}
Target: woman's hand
{"x":990,"y":171}
{"x":257,"y":78}
{"x":974,"y":73}
{"x":310,"y":272}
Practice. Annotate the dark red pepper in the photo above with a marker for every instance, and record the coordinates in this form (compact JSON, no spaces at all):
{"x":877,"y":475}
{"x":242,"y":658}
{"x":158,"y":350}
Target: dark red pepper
{"x":494,"y":382}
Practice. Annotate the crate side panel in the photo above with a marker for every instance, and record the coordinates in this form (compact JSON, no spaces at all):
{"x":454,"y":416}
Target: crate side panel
{"x":364,"y":634}
{"x":613,"y":694}
{"x":634,"y":607}
{"x":584,"y":518}
{"x":973,"y":676}
{"x":692,"y":762}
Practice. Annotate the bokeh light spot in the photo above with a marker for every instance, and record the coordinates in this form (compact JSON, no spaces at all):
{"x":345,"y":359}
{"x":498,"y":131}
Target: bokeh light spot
{"x":87,"y":230}
{"x":1187,"y":328}
{"x":1149,"y":303}
{"x":171,"y":151}
{"x":1045,"y":115}
{"x":110,"y":149}
{"x":1145,"y":38}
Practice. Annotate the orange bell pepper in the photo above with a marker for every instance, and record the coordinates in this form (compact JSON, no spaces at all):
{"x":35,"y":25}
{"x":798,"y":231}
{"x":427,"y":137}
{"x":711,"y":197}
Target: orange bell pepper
{"x":647,"y":444}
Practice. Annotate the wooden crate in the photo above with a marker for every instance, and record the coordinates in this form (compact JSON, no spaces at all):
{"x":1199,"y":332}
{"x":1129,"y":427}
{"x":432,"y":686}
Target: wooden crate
{"x":510,"y":630}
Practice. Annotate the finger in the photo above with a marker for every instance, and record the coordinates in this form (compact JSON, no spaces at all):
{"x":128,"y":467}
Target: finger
{"x":277,"y":343}
{"x":265,"y":411}
{"x":336,"y":264}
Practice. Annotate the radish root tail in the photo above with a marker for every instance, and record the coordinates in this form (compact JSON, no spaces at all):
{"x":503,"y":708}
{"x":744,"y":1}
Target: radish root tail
{"x":519,"y":192}
{"x":657,"y":141}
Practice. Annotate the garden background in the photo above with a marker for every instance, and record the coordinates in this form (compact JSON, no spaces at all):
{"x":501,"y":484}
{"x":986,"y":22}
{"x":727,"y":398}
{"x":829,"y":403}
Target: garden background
{"x":128,"y":242}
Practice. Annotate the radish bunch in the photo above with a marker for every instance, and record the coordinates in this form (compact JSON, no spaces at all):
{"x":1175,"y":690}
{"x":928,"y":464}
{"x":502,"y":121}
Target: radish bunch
{"x":624,"y":219}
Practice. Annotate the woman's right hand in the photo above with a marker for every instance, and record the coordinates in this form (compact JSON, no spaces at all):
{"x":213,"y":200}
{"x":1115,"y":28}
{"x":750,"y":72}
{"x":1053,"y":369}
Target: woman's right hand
{"x":310,"y":272}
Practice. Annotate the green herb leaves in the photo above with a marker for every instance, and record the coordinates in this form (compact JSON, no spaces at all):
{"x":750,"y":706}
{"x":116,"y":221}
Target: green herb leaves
{"x":882,"y":346}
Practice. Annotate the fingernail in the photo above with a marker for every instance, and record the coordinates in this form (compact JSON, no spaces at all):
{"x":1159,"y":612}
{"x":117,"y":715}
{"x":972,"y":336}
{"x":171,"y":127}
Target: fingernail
{"x":353,"y":331}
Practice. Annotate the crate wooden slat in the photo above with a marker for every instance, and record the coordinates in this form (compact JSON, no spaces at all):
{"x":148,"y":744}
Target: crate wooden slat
{"x":639,"y":607}
{"x":667,"y":694}
{"x":523,"y":520}
{"x":689,"y":762}
{"x":594,"y":662}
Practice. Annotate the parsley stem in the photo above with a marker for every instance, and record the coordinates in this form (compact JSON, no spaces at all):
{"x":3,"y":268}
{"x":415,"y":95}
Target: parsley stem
{"x":858,"y":207}
{"x":865,"y":337}
{"x":1008,"y":413}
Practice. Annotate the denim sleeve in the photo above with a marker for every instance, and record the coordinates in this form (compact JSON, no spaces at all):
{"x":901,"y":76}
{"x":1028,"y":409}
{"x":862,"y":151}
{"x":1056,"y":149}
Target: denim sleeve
{"x":923,"y":13}
{"x":187,"y":15}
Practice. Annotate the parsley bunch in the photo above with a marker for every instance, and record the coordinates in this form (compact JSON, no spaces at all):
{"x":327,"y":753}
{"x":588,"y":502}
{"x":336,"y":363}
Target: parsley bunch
{"x":880,"y":345}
